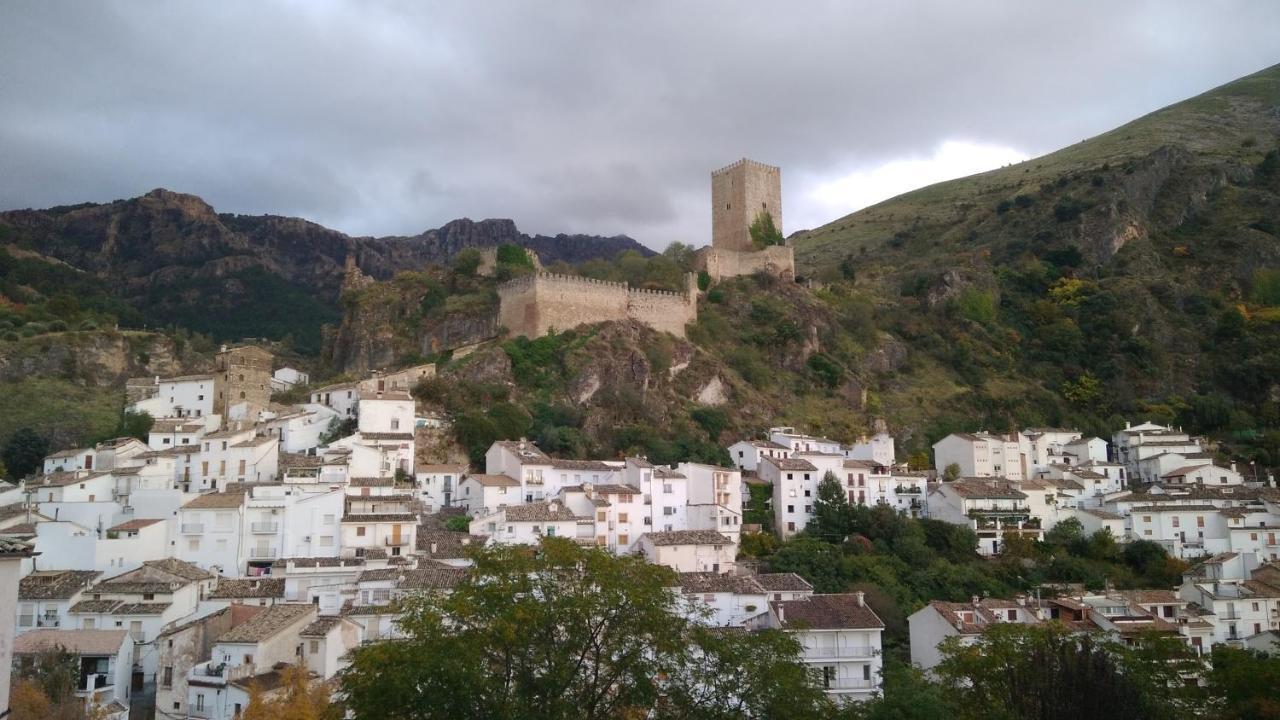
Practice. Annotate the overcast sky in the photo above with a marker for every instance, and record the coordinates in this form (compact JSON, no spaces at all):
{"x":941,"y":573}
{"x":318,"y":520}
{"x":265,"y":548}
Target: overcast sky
{"x":591,"y":116}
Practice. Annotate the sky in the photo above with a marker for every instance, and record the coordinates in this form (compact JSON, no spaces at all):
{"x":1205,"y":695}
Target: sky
{"x":577,"y":116}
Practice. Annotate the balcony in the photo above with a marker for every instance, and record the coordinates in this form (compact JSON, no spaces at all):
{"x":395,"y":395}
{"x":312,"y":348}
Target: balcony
{"x":850,"y":684}
{"x":49,"y":622}
{"x":908,"y":490}
{"x":264,"y":528}
{"x":847,"y":651}
{"x":263,"y":553}
{"x":192,"y":528}
{"x":401,"y":541}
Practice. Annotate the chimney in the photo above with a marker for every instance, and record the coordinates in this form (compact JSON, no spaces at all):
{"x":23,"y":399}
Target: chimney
{"x":975,"y":600}
{"x":433,"y":548}
{"x":553,"y":506}
{"x":782,"y":613}
{"x":860,"y":597}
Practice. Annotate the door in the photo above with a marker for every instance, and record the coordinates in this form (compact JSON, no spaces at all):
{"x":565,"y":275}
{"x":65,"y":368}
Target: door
{"x":395,"y":535}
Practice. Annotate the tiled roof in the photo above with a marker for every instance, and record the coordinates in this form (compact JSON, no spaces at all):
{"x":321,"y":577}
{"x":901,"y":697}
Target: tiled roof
{"x":981,"y":489}
{"x":267,"y":623}
{"x":359,"y":517}
{"x":792,"y":464}
{"x":696,"y":583}
{"x":79,"y":642}
{"x":55,"y":584}
{"x":1102,"y":514}
{"x":290,"y":460}
{"x":1160,"y":597}
{"x":14,"y":547}
{"x":783,"y":582}
{"x":95,"y":607}
{"x":446,"y":545}
{"x":539,"y":512}
{"x":614,"y":489}
{"x":142,"y":608}
{"x":826,"y":612}
{"x":1174,"y":508}
{"x":257,"y":587}
{"x":595,"y":465}
{"x":216,"y":500}
{"x":492,"y":480}
{"x":525,"y":451}
{"x":687,"y":537}
{"x":432,"y":576}
{"x":136,"y":524}
{"x":13,"y":510}
{"x":321,"y":626}
{"x":181,"y":568}
{"x":386,"y":436}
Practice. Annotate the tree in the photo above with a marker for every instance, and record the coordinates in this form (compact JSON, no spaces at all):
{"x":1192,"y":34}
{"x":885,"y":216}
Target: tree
{"x":135,"y":425}
{"x":764,"y":232}
{"x":24,"y":452}
{"x":1244,"y":682}
{"x":1048,"y":672}
{"x":908,"y":695}
{"x":44,"y":687}
{"x":1067,"y":533}
{"x":562,"y":631}
{"x":832,"y":514}
{"x":299,"y":698}
{"x":680,"y":254}
{"x":951,"y":472}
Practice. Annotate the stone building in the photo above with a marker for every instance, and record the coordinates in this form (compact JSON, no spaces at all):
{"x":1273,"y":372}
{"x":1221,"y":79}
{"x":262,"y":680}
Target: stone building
{"x":535,"y":304}
{"x":739,"y":194}
{"x":241,"y":383}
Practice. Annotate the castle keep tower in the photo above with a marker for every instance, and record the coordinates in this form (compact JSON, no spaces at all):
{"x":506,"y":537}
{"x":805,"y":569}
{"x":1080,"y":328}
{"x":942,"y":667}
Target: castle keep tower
{"x":241,"y":383}
{"x":739,"y":193}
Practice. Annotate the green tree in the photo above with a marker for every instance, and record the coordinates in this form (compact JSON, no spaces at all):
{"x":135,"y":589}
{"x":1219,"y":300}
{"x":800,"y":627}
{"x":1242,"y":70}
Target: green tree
{"x":908,"y":695}
{"x":1244,"y":682}
{"x":764,"y":232}
{"x":135,"y":425}
{"x":951,"y":472}
{"x":832,"y":514}
{"x":563,"y":631}
{"x":24,"y":452}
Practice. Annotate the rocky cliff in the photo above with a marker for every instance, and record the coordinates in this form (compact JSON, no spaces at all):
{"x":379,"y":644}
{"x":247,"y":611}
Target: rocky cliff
{"x":180,"y":263}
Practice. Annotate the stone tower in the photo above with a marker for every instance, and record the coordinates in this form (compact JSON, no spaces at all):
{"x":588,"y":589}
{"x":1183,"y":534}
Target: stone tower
{"x":739,"y":193}
{"x":241,"y":383}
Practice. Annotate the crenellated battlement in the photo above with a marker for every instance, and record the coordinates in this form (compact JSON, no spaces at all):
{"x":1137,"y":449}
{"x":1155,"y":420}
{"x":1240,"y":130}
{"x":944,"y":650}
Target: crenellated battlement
{"x":533,"y":304}
{"x":745,"y":163}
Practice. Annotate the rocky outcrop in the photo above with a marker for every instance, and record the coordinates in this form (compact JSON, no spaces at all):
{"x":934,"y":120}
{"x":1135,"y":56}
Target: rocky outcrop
{"x":96,"y":358}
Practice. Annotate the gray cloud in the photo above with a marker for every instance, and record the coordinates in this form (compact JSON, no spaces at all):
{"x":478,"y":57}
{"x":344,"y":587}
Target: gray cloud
{"x":570,"y":116}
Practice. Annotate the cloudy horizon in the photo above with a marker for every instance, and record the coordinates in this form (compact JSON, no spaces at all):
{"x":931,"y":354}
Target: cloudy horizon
{"x":577,"y":117}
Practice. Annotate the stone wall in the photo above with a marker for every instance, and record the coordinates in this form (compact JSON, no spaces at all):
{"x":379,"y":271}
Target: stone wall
{"x":241,"y":375}
{"x":739,"y":192}
{"x":719,"y":263}
{"x":535,"y":304}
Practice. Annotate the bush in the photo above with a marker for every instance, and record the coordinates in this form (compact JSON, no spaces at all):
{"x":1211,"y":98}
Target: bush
{"x":1003,"y":206}
{"x":1068,"y":209}
{"x":704,"y":280}
{"x":976,"y":305}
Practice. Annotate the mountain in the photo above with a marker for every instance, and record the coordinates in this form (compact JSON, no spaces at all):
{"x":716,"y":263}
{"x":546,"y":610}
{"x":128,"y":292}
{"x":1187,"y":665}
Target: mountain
{"x":176,"y":261}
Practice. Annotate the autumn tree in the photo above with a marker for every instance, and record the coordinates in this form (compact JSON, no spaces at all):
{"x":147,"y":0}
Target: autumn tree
{"x":299,"y":697}
{"x":563,"y":631}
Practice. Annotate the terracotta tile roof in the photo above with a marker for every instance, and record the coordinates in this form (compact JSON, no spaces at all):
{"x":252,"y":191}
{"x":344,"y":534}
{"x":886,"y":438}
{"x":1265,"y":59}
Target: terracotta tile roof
{"x":268,"y":623}
{"x":1174,"y":508}
{"x":687,"y":537}
{"x":142,"y":608}
{"x":696,"y":583}
{"x":257,"y":587}
{"x":1102,"y":514}
{"x":290,"y":460}
{"x":492,"y":480}
{"x":432,"y":576}
{"x":216,"y":500}
{"x":792,"y":464}
{"x":359,"y":517}
{"x":95,"y":607}
{"x":79,"y":642}
{"x":446,"y":545}
{"x":13,"y":510}
{"x":538,"y":512}
{"x":783,"y":582}
{"x":136,"y":524}
{"x":826,"y":612}
{"x":614,"y":489}
{"x":595,"y":465}
{"x":1153,"y":597}
{"x":386,"y":436}
{"x":55,"y":584}
{"x":321,"y":626}
{"x":525,"y":451}
{"x":972,"y":488}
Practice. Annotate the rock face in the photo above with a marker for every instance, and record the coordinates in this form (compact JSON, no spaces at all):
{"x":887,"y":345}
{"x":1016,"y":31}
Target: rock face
{"x":179,"y":262}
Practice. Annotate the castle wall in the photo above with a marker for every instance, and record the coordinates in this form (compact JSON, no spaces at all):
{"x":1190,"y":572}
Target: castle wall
{"x":242,"y":375}
{"x":720,"y":263}
{"x":535,"y":304}
{"x":738,"y":193}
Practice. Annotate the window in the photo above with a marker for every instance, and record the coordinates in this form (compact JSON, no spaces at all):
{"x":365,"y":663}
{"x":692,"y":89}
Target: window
{"x":315,"y":646}
{"x":199,"y":701}
{"x":624,"y":539}
{"x":808,"y":493}
{"x":167,"y":680}
{"x":551,"y":531}
{"x":808,"y":508}
{"x":1146,"y":518}
{"x":1199,"y":521}
{"x":601,"y":516}
{"x":1175,"y":521}
{"x":148,"y":596}
{"x":27,"y":616}
{"x":791,"y":508}
{"x":241,"y":467}
{"x":360,"y":531}
{"x":326,"y":541}
{"x":666,"y":488}
{"x":828,"y":675}
{"x":193,"y":544}
{"x":622,"y":517}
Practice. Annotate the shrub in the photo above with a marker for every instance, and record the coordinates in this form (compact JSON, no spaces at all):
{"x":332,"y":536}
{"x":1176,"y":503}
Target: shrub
{"x":976,"y":305}
{"x":1003,"y":206}
{"x":1068,"y":209}
{"x":704,"y":280}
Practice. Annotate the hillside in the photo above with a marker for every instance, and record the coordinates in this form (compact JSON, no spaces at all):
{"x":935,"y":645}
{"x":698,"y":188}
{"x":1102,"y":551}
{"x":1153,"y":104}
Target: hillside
{"x":1136,"y":274}
{"x":170,"y":260}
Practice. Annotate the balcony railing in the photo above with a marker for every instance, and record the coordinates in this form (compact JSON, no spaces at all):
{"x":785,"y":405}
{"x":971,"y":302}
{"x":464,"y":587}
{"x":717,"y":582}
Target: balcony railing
{"x":264,"y":528}
{"x":848,"y":651}
{"x":192,"y":528}
{"x":262,"y":553}
{"x":396,"y":541}
{"x":838,"y":684}
{"x":908,"y":490}
{"x":48,"y":622}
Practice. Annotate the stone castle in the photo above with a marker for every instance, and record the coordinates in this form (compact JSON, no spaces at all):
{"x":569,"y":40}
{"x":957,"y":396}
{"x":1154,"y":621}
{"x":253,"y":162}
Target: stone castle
{"x":535,"y":304}
{"x":739,"y":194}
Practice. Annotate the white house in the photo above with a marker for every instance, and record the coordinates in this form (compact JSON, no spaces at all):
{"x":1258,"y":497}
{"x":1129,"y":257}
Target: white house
{"x":45,"y":598}
{"x":689,"y":550}
{"x":483,"y":494}
{"x":878,"y":448}
{"x":989,"y":508}
{"x":984,"y":455}
{"x":1203,"y":473}
{"x":800,"y":442}
{"x":527,"y":524}
{"x":747,"y":454}
{"x":795,"y":486}
{"x":841,"y":639}
{"x":342,"y":397}
{"x":939,"y":620}
{"x":13,"y":555}
{"x":287,"y":378}
{"x":438,"y":484}
{"x":104,"y":661}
